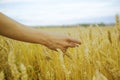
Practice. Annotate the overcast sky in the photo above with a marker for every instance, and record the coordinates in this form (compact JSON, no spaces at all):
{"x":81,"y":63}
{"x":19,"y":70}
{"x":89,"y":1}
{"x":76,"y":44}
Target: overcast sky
{"x":60,"y":12}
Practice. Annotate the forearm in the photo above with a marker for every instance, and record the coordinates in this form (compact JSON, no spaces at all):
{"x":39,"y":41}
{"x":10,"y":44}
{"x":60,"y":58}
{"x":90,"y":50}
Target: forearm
{"x":17,"y":31}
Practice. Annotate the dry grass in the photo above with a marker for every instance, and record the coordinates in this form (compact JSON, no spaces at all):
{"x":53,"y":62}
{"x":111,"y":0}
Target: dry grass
{"x":98,"y":58}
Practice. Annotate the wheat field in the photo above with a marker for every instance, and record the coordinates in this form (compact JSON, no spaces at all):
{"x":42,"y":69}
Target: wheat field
{"x":97,"y":58}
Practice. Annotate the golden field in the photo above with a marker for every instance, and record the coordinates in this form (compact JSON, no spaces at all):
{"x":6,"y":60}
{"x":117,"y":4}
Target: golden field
{"x":97,"y":58}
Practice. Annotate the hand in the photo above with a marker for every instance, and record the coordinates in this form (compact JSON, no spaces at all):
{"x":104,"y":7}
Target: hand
{"x":17,"y":31}
{"x":61,"y":42}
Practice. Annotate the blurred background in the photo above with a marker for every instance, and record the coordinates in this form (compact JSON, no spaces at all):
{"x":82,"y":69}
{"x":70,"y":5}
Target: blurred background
{"x":95,"y":23}
{"x":61,"y":12}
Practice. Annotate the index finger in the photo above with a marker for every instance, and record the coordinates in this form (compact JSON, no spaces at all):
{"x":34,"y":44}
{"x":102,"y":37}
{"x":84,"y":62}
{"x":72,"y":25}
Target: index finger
{"x":74,"y":40}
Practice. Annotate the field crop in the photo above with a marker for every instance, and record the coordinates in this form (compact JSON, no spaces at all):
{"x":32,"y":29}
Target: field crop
{"x":97,"y":58}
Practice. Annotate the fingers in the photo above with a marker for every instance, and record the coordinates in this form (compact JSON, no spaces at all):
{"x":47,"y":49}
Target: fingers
{"x":68,"y":45}
{"x":71,"y":44}
{"x":64,"y":50}
{"x":73,"y":41}
{"x":64,"y":43}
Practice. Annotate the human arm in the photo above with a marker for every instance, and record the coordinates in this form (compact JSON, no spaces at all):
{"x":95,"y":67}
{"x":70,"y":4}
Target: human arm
{"x":17,"y":31}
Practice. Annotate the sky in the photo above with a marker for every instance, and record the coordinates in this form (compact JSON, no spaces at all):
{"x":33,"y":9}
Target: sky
{"x":60,"y":12}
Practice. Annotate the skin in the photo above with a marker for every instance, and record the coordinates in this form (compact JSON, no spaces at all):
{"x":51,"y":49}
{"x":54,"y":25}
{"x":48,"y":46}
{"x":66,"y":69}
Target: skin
{"x":17,"y":31}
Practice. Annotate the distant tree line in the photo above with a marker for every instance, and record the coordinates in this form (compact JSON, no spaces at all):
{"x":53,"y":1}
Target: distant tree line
{"x":99,"y":24}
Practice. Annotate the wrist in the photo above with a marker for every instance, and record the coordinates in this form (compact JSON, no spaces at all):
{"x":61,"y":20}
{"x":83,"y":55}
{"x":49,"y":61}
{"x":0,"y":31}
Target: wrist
{"x":43,"y":38}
